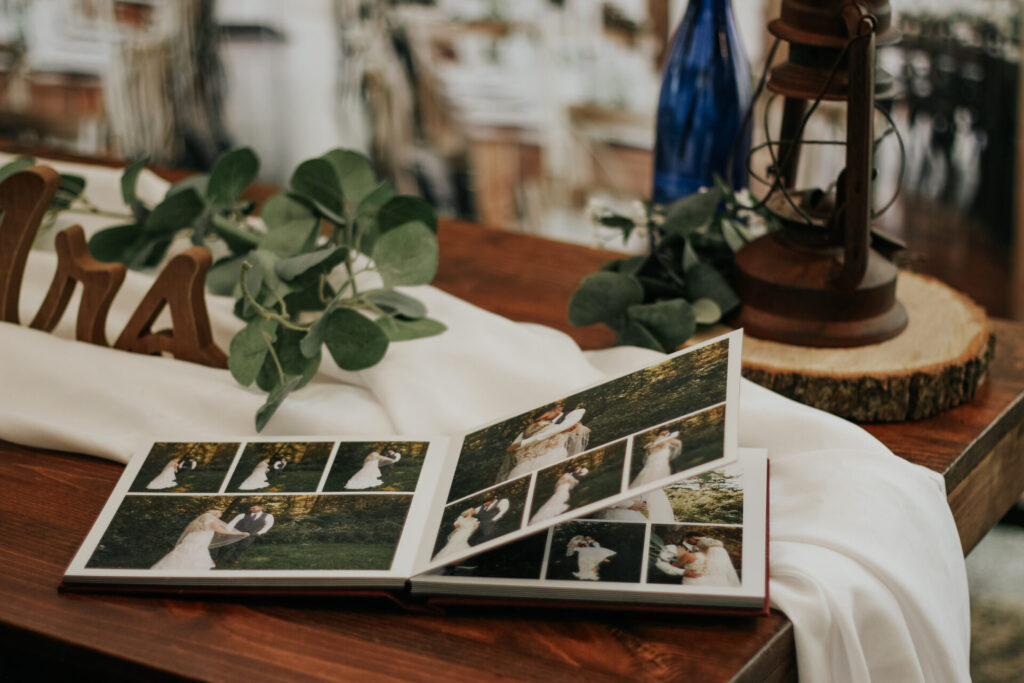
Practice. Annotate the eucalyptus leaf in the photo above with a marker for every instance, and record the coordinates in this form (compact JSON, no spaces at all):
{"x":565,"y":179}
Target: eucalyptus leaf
{"x":253,"y":276}
{"x":15,"y":166}
{"x":113,"y":244}
{"x":274,"y":401}
{"x":704,"y":282}
{"x":690,"y":257}
{"x":635,"y":334}
{"x":197,"y":182}
{"x":231,"y":174}
{"x":405,"y":209}
{"x":354,"y":341}
{"x":293,"y":361}
{"x":685,"y":215}
{"x":355,"y":174}
{"x":175,"y":212}
{"x":406,"y":255}
{"x":317,"y":181}
{"x":392,"y":301}
{"x":236,"y":235}
{"x":222,"y":278}
{"x":150,"y":253}
{"x":306,"y":296}
{"x":733,"y":237}
{"x":603,"y":297}
{"x":626,"y":225}
{"x":404,"y":330}
{"x":292,"y":228}
{"x":130,"y":179}
{"x":314,"y":337}
{"x":322,"y":260}
{"x":671,"y":322}
{"x":248,"y":350}
{"x":269,"y":377}
{"x":706,"y":311}
{"x":367,"y":215}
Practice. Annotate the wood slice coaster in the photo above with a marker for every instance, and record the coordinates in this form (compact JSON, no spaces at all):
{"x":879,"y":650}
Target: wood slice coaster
{"x":937,"y":363}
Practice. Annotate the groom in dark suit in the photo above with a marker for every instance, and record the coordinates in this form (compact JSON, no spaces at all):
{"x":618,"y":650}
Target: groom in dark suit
{"x":255,"y":522}
{"x":488,"y":514}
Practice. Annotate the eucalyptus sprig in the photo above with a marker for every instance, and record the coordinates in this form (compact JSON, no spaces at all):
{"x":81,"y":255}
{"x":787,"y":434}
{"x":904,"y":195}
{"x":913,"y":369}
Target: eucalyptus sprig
{"x":297,"y":277}
{"x":657,"y":300}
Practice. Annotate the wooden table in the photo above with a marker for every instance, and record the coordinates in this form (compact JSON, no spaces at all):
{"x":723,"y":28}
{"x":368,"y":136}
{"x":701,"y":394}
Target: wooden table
{"x":50,"y":500}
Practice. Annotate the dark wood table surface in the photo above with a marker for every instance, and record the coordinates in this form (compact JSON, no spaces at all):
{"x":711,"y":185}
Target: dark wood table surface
{"x":49,"y":501}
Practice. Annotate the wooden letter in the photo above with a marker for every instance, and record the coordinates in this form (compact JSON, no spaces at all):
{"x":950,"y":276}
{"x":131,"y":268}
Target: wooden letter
{"x":179,"y":286}
{"x":24,"y":198}
{"x":100,"y":282}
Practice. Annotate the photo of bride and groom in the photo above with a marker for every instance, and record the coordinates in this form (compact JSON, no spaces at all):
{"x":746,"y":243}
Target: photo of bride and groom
{"x":682,"y":385}
{"x":199,"y":534}
{"x":486,"y":516}
{"x":696,"y":555}
{"x":185,"y":467}
{"x":292,"y":466}
{"x":377,"y":466}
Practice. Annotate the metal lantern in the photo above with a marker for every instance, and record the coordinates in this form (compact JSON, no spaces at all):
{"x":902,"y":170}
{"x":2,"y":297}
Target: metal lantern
{"x":816,"y":281}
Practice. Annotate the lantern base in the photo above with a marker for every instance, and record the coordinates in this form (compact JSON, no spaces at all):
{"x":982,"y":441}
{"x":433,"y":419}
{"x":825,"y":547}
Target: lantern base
{"x":790,"y":295}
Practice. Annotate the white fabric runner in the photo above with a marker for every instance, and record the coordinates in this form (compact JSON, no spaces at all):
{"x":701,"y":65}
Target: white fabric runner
{"x":865,"y":556}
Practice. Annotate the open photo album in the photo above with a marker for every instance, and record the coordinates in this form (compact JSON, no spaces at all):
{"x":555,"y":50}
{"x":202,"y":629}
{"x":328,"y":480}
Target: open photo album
{"x":629,"y":490}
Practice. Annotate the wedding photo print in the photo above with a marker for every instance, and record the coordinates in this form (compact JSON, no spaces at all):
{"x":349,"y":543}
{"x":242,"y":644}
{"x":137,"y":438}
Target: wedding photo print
{"x":661,"y":452}
{"x":195,"y":534}
{"x":377,"y":466}
{"x":578,"y":481}
{"x":596,"y":551}
{"x":681,"y":385}
{"x":480,"y":518}
{"x":276,"y":467}
{"x":695,"y":555}
{"x":185,"y":467}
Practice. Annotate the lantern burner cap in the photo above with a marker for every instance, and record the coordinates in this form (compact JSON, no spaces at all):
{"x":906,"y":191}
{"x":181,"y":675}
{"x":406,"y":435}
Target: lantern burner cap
{"x":820,"y":22}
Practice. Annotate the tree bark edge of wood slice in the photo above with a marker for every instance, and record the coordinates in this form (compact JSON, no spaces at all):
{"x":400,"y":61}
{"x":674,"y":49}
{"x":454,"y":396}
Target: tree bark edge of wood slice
{"x":937,"y":363}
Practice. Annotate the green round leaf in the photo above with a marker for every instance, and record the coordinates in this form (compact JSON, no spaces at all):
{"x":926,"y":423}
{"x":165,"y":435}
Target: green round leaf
{"x":292,"y":227}
{"x":354,"y":341}
{"x":231,"y":174}
{"x":310,"y":344}
{"x":320,"y":261}
{"x":635,"y":334}
{"x":404,"y":330}
{"x":407,"y":255}
{"x":196,"y":182}
{"x":293,"y":361}
{"x":175,"y":212}
{"x":367,"y":213}
{"x":274,"y":401}
{"x":706,"y":311}
{"x":671,"y":322}
{"x":317,"y":181}
{"x":704,"y":282}
{"x":248,"y":350}
{"x":406,"y":209}
{"x":129,"y":179}
{"x":15,"y":166}
{"x":223,"y":276}
{"x":237,"y":236}
{"x":396,"y":302}
{"x":355,"y":174}
{"x":113,"y":244}
{"x":603,"y":297}
{"x":685,"y":215}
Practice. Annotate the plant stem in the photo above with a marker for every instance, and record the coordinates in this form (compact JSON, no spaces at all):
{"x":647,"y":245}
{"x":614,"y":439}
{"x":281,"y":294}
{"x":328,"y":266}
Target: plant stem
{"x":273,"y":354}
{"x":264,"y":312}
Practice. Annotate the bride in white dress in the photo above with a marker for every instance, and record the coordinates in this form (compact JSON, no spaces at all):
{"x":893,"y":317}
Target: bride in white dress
{"x":551,"y":438}
{"x":167,"y":477}
{"x":458,"y":540}
{"x":657,"y":461}
{"x":559,"y":500}
{"x":369,"y":475}
{"x":708,"y":565}
{"x":589,"y":557}
{"x":258,"y":478}
{"x":192,"y":551}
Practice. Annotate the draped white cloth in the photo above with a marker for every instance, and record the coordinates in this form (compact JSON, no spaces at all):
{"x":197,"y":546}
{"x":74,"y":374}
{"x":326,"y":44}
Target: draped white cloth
{"x":865,"y":557}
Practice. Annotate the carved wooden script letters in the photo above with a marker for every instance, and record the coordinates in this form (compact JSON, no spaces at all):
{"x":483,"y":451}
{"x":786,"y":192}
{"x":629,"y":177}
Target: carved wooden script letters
{"x":24,"y":198}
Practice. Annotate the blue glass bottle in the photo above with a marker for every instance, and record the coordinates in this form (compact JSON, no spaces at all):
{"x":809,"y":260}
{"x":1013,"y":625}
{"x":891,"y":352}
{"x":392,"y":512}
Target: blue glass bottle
{"x":705,"y":93}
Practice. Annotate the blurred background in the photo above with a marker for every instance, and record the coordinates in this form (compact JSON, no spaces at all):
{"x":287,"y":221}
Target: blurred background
{"x":522,"y":114}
